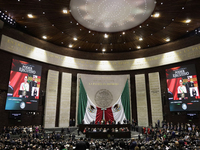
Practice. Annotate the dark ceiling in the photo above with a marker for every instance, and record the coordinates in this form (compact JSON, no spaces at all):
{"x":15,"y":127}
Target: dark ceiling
{"x":61,"y":28}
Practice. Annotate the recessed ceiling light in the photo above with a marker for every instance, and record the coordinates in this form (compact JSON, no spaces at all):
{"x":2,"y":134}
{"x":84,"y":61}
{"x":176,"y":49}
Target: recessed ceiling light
{"x":188,"y":21}
{"x":105,"y":35}
{"x":161,"y":3}
{"x":156,"y":15}
{"x":43,"y":12}
{"x":140,"y":39}
{"x":89,"y":31}
{"x":167,"y":39}
{"x":65,"y":11}
{"x":75,"y":39}
{"x":77,"y":24}
{"x":140,"y":26}
{"x":138,"y":47}
{"x":123,"y":32}
{"x":44,"y":37}
{"x":96,"y":49}
{"x":30,"y":15}
{"x":79,"y":47}
{"x":103,"y":50}
{"x":70,"y":45}
{"x":183,"y":8}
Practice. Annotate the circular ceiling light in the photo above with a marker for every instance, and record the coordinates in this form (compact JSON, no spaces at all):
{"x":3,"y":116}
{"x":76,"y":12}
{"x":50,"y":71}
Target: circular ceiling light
{"x":111,"y":16}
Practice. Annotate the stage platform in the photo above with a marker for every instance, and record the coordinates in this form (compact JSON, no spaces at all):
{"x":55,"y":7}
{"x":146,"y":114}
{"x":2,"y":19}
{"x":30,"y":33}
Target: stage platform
{"x":74,"y":131}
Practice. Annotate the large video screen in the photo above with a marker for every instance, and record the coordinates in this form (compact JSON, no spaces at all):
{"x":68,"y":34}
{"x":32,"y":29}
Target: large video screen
{"x":183,"y":90}
{"x":24,"y":86}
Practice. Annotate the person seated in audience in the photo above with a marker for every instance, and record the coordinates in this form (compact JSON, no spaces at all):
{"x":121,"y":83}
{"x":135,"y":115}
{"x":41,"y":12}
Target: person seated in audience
{"x":104,"y":130}
{"x":120,"y":129}
{"x":93,"y":122}
{"x":107,"y":123}
{"x":113,"y":130}
{"x":98,"y":122}
{"x":114,"y":122}
{"x":94,"y":130}
{"x":100,"y":130}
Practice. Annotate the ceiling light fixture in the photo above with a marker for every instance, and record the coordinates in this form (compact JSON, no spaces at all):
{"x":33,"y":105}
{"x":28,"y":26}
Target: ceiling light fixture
{"x":70,"y":45}
{"x":188,"y":21}
{"x":167,"y":39}
{"x":44,"y":37}
{"x":103,"y":50}
{"x":123,"y":33}
{"x":75,"y":39}
{"x":140,"y":39}
{"x":30,"y":15}
{"x":105,"y":35}
{"x":65,"y":11}
{"x":156,"y":15}
{"x":138,"y":47}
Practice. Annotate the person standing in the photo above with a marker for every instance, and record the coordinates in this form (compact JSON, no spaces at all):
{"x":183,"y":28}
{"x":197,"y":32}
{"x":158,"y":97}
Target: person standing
{"x":24,"y":87}
{"x":81,"y":145}
{"x":32,"y":86}
{"x":133,"y":144}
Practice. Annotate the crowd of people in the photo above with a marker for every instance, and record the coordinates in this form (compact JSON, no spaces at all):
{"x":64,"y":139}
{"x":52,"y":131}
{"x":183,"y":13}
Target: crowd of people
{"x":168,"y":136}
{"x":106,"y":130}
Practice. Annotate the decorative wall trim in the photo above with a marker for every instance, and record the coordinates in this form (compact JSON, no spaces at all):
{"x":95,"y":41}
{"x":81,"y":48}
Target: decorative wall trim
{"x":51,"y":99}
{"x":65,"y":100}
{"x":16,"y":47}
{"x":141,"y":99}
{"x":155,"y":97}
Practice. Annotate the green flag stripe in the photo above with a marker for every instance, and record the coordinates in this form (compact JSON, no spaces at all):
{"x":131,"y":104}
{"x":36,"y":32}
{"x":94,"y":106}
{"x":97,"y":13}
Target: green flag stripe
{"x":125,"y":98}
{"x":82,"y":102}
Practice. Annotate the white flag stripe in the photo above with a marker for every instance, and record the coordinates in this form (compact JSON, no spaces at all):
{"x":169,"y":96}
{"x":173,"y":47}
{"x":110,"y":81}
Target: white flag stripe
{"x":118,"y":114}
{"x":90,"y":114}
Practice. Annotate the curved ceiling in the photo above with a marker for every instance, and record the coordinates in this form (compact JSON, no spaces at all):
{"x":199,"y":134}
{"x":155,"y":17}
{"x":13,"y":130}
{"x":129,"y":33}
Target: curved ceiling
{"x":170,"y":20}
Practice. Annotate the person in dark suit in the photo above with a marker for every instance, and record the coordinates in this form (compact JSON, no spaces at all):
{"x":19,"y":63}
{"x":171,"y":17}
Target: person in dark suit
{"x":188,"y":85}
{"x":32,"y":84}
{"x":133,"y":144}
{"x":81,"y":145}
